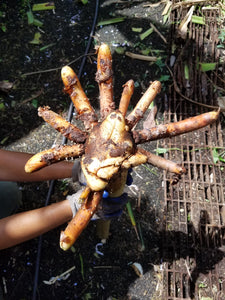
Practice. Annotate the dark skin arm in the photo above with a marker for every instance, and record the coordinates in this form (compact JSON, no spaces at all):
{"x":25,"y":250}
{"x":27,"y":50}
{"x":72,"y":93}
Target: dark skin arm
{"x":12,"y":168}
{"x":23,"y":226}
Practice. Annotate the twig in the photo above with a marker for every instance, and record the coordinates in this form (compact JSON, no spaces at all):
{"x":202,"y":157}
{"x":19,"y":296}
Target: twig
{"x":139,"y":200}
{"x":215,"y":86}
{"x":57,"y":68}
{"x":189,"y":274}
{"x":52,"y":280}
{"x":155,"y":4}
{"x":159,"y":33}
{"x":141,"y":57}
{"x":186,"y":98}
{"x":187,"y":3}
{"x":106,"y":267}
{"x":39,"y":93}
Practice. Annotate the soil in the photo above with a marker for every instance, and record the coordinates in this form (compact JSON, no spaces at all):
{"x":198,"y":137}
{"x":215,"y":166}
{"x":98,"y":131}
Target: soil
{"x":109,"y":274}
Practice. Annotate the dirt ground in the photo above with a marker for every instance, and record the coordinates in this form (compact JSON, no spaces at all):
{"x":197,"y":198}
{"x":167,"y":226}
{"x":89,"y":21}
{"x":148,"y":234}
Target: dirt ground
{"x":109,"y":274}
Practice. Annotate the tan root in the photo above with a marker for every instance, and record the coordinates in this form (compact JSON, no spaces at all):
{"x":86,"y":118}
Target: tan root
{"x":110,"y":147}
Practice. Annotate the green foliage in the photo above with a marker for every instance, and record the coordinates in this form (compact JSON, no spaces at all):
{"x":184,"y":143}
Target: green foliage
{"x":130,"y":213}
{"x":3,"y":9}
{"x":3,"y":27}
{"x":202,"y":285}
{"x":205,"y":67}
{"x":198,"y":20}
{"x":137,"y":29}
{"x":43,"y":6}
{"x":217,"y":152}
{"x":32,"y":20}
{"x":63,"y":185}
{"x":218,"y":156}
{"x":2,"y":106}
{"x":146,"y":33}
{"x":164,"y":78}
{"x":111,"y":21}
{"x":35,"y":103}
{"x":222,"y":35}
{"x":189,"y":217}
{"x":81,"y":266}
{"x":37,"y":39}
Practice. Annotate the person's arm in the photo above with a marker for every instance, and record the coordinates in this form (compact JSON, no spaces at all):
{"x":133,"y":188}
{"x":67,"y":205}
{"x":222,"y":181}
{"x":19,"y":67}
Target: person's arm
{"x":12,"y":168}
{"x":23,"y":226}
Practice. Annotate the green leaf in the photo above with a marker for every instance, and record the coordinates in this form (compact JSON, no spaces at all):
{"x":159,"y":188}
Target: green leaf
{"x":145,"y":51}
{"x":161,"y":150}
{"x":81,"y":265}
{"x":2,"y":106}
{"x":30,"y":17}
{"x":137,"y":29}
{"x":221,"y":159}
{"x":35,"y":103}
{"x":46,"y":47}
{"x":120,"y":50}
{"x":3,"y":27}
{"x":146,"y":33}
{"x":215,"y":155}
{"x":32,"y":20}
{"x":4,"y":140}
{"x":84,"y":1}
{"x":205,"y":67}
{"x":164,"y":78}
{"x":87,"y":296}
{"x":43,"y":6}
{"x":198,"y":20}
{"x":130,"y":213}
{"x":111,"y":21}
{"x":37,"y":39}
{"x":186,"y":72}
{"x":37,"y":23}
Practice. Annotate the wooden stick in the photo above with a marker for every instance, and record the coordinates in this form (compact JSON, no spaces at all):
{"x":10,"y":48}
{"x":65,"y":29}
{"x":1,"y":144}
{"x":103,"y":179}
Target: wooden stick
{"x":141,"y":57}
{"x":69,"y":130}
{"x":176,"y":128}
{"x":163,"y":163}
{"x":53,"y":155}
{"x":80,"y":221}
{"x":143,"y":104}
{"x":74,"y":89}
{"x":187,"y":3}
{"x":128,"y":89}
{"x":159,"y":33}
{"x":104,"y":78}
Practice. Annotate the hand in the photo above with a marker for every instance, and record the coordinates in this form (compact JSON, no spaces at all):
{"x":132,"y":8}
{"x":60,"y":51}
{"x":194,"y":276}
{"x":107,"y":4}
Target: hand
{"x":77,"y":174}
{"x":108,"y":207}
{"x":111,"y":207}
